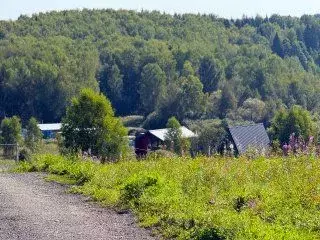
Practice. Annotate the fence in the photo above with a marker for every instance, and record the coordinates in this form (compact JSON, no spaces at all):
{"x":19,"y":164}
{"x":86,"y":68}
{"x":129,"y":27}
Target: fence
{"x":9,"y":151}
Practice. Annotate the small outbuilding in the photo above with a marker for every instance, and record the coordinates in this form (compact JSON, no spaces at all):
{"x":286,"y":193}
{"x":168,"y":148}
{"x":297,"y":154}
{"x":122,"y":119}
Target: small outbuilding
{"x":49,"y":130}
{"x":250,"y":136}
{"x":154,"y":139}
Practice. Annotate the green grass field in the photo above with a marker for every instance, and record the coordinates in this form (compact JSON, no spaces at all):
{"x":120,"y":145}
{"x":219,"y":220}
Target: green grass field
{"x":203,"y":198}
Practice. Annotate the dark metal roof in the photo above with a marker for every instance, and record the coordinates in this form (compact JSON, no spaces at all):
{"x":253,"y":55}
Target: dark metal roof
{"x":245,"y":137}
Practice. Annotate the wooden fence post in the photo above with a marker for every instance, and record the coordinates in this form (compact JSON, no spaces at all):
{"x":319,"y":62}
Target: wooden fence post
{"x":17,"y":152}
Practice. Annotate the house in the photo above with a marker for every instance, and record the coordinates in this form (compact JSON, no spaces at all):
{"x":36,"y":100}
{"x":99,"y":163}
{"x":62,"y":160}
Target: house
{"x":49,"y":130}
{"x":251,"y":136}
{"x":154,"y":139}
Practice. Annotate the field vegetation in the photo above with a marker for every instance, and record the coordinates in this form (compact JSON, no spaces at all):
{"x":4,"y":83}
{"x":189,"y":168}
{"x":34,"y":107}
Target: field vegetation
{"x":202,"y":198}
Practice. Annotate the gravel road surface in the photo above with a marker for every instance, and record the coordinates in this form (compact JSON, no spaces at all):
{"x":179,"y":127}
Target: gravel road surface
{"x":31,"y":208}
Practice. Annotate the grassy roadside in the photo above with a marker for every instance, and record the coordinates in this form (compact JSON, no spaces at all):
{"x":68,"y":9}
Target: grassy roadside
{"x":204,"y":198}
{"x":7,"y":164}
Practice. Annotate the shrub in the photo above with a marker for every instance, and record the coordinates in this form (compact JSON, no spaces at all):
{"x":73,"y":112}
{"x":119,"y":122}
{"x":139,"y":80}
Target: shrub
{"x":33,"y":135}
{"x":24,"y":154}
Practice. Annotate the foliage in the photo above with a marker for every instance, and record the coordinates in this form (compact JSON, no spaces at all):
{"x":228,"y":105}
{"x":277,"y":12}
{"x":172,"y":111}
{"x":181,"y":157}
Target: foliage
{"x":40,"y":76}
{"x":152,"y":86}
{"x":132,"y":120}
{"x":11,"y":130}
{"x":212,"y":135}
{"x":174,"y":139}
{"x":227,"y":101}
{"x":24,"y":154}
{"x":10,"y":134}
{"x":296,"y":120}
{"x":158,"y":65}
{"x":90,"y":125}
{"x":204,"y":198}
{"x":33,"y":135}
{"x":253,"y":109}
{"x":277,"y":46}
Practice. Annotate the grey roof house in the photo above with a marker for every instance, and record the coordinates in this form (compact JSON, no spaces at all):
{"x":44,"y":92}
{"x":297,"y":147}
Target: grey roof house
{"x":250,"y":136}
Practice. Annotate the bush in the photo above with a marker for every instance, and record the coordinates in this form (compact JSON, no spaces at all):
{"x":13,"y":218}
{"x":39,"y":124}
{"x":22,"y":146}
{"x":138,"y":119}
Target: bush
{"x":24,"y":154}
{"x":132,"y":121}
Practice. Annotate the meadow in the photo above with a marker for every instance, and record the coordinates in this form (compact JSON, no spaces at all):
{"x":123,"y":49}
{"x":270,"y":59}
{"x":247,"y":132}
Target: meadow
{"x":202,"y":198}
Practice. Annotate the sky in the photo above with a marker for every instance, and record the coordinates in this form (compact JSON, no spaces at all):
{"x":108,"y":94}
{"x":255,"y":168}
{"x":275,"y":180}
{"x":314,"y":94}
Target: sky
{"x":12,"y":9}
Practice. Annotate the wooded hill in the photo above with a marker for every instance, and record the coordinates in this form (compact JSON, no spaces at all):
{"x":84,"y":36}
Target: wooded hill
{"x":159,"y":65}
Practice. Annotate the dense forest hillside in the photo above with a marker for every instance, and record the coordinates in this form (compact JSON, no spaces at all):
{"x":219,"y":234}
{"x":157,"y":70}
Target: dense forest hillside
{"x":158,"y":65}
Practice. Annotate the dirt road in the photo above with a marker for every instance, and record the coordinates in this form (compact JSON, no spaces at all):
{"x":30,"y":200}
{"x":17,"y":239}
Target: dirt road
{"x":31,"y":208}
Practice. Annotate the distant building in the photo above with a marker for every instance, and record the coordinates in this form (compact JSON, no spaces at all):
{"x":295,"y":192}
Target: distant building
{"x":154,"y":139}
{"x":251,"y":136}
{"x":49,"y":130}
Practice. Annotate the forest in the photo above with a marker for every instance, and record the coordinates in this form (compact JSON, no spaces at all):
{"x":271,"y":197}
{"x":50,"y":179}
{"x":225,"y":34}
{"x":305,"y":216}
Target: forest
{"x":160,"y":65}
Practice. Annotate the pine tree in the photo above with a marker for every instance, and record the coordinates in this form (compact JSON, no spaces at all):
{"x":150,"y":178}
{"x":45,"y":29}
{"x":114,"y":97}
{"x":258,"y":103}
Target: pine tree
{"x":277,"y":46}
{"x":311,"y":37}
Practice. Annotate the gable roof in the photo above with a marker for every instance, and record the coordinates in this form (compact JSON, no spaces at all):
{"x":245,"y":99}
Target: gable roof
{"x":161,"y":133}
{"x":50,"y":126}
{"x":248,"y":136}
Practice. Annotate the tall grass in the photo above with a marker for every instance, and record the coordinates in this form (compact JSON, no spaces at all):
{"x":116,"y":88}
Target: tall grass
{"x":204,"y":198}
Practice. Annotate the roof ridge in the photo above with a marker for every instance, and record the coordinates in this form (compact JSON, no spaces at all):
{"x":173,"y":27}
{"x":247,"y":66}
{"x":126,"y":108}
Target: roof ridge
{"x":247,"y":125}
{"x":166,"y":128}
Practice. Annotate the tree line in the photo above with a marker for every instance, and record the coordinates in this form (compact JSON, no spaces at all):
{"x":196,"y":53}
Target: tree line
{"x":90,"y":128}
{"x":159,"y":65}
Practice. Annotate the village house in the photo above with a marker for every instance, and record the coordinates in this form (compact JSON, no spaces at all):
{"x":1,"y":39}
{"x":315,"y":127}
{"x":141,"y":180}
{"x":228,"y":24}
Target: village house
{"x":50,"y":130}
{"x":244,"y":138}
{"x":154,"y":139}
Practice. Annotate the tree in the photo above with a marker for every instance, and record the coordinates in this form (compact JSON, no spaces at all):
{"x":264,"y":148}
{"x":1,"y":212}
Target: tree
{"x":311,"y":36}
{"x":187,"y":69}
{"x":277,"y":46}
{"x":173,"y":138}
{"x":227,"y":101}
{"x":210,"y":72}
{"x":212,"y":136}
{"x":253,"y":109}
{"x":152,"y":86}
{"x":296,"y":120}
{"x":34,"y":135}
{"x":90,"y":124}
{"x":287,"y":48}
{"x":10,"y":133}
{"x":111,"y":82}
{"x":191,"y":98}
{"x":47,"y":58}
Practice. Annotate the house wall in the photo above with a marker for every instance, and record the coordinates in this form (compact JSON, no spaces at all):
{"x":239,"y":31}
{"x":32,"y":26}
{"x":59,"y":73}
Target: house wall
{"x":141,"y":144}
{"x":49,"y":134}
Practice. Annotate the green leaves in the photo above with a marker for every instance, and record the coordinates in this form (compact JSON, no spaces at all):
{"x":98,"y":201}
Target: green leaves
{"x":10,"y":133}
{"x":156,"y":64}
{"x":33,"y":135}
{"x":90,"y":125}
{"x":11,"y":130}
{"x":152,"y":86}
{"x":296,"y":120}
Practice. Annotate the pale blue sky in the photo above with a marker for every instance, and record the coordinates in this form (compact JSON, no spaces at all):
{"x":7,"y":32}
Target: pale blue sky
{"x":11,"y":9}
